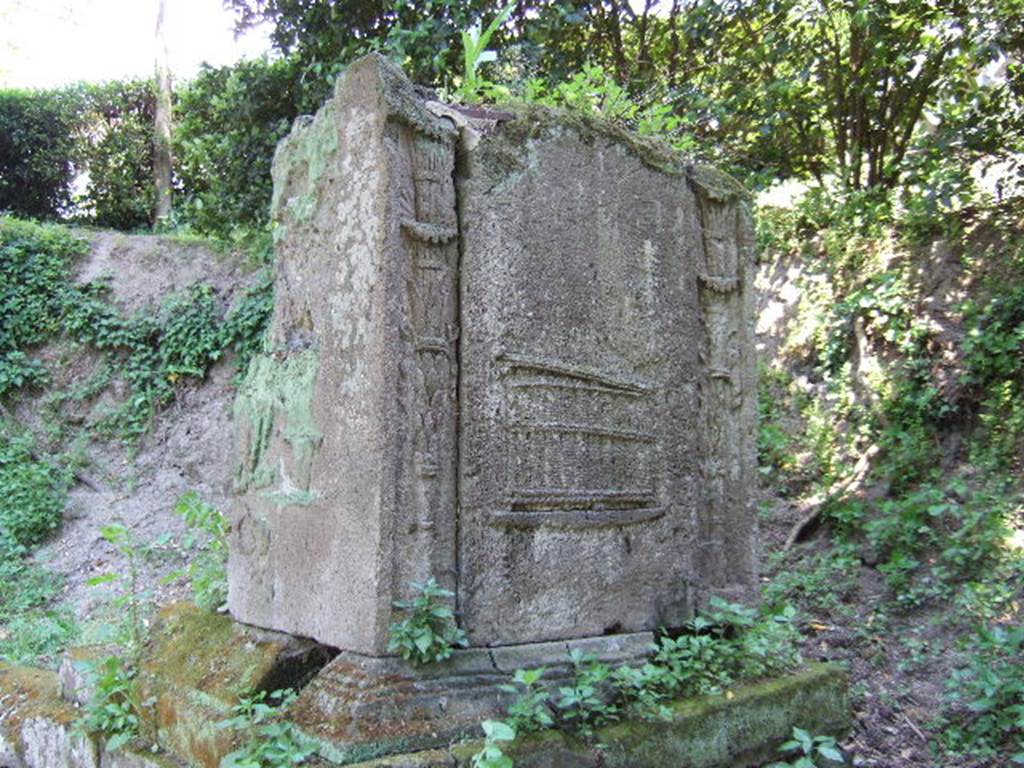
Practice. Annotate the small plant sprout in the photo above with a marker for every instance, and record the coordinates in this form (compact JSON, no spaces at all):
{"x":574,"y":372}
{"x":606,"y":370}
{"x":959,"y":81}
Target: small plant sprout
{"x":271,"y":741}
{"x":492,"y":756}
{"x":807,"y":749}
{"x":111,"y":710}
{"x":429,"y":633}
{"x":531,"y":710}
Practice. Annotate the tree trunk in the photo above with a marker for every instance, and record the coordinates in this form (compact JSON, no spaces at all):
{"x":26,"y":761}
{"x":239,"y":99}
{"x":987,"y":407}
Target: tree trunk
{"x":162,"y":121}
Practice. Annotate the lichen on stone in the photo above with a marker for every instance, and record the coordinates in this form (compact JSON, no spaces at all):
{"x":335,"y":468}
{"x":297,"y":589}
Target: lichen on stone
{"x":277,"y":395}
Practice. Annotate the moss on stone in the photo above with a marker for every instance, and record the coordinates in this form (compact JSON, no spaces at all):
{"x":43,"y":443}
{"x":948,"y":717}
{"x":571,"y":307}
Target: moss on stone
{"x":192,"y":649}
{"x":742,"y":727}
{"x":197,"y":666}
{"x":27,"y":695}
{"x":277,"y":392}
{"x":301,"y":159}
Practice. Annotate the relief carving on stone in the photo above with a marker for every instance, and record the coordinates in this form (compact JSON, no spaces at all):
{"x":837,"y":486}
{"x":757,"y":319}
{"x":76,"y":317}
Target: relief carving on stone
{"x":429,"y":234}
{"x":721,"y":391}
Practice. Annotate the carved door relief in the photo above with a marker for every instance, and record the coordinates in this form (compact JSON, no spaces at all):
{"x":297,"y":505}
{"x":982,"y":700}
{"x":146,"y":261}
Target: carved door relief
{"x":725,"y":469}
{"x":424,"y":165}
{"x":578,"y":450}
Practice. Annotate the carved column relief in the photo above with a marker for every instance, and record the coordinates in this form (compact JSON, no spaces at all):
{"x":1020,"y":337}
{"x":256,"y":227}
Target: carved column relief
{"x":726,"y":440}
{"x":429,"y":234}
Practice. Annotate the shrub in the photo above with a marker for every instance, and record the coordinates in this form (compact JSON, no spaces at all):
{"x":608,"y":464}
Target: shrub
{"x":34,"y":264}
{"x":48,"y":137}
{"x":429,"y":633}
{"x":32,"y":493}
{"x":229,"y":120}
{"x":38,"y":151}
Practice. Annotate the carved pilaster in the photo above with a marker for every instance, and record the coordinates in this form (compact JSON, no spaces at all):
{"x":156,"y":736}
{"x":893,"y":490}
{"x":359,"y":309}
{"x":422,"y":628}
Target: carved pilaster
{"x":726,"y":387}
{"x":429,"y":242}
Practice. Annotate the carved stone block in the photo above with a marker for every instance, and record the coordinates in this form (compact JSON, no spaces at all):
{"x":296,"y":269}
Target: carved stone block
{"x":510,"y":352}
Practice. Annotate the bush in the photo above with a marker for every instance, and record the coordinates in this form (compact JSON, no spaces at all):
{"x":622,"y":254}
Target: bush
{"x":229,"y":120}
{"x":32,"y":494}
{"x":117,"y":151}
{"x":38,"y":151}
{"x":49,"y":137}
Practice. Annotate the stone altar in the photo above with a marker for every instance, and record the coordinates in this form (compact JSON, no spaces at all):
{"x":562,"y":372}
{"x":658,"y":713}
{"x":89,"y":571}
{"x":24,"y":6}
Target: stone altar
{"x":510,"y":351}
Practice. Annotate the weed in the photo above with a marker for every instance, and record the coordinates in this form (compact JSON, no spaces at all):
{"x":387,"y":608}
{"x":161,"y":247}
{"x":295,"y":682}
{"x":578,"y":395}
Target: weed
{"x":131,"y":598}
{"x":530,"y":711}
{"x":475,"y":53}
{"x":587,"y":702}
{"x":112,"y":709}
{"x":32,"y":492}
{"x":496,"y":733}
{"x":208,"y":530}
{"x":985,"y":713}
{"x":271,"y":740}
{"x":429,"y":634}
{"x":823,"y":583}
{"x":807,"y":749}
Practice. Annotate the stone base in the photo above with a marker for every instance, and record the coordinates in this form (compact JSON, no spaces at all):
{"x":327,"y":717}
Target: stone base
{"x":361,"y":707}
{"x":742,"y":728}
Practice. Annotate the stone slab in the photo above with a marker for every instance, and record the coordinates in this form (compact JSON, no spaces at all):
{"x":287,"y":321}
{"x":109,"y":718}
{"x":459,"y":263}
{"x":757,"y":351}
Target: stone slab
{"x":740,"y":729}
{"x":346,"y":441}
{"x":360,"y":706}
{"x":37,"y":728}
{"x":510,"y":351}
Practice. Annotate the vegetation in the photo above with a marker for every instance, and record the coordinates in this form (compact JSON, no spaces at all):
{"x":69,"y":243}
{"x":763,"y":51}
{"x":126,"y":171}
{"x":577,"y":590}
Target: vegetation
{"x":150,"y":352}
{"x":429,"y":633}
{"x":270,"y":740}
{"x":207,"y":540}
{"x":808,"y":750}
{"x":893,"y":409}
{"x":728,"y":644}
{"x":112,"y":710}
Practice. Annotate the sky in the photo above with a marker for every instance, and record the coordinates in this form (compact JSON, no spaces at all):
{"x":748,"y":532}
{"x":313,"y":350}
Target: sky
{"x":47,"y":43}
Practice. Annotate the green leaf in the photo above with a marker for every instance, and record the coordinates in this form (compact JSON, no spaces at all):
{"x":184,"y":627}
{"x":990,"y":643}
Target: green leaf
{"x":496,"y":730}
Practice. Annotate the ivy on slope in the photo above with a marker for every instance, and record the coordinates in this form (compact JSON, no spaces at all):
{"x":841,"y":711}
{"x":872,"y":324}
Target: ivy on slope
{"x":151,"y":351}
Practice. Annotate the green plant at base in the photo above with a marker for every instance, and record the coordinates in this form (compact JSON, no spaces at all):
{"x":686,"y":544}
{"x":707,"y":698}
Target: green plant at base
{"x":496,"y":732}
{"x":271,"y":741}
{"x":587,"y":703}
{"x":645,"y":689}
{"x":208,"y":570}
{"x":430,"y":633}
{"x":112,"y":709}
{"x":530,"y":710}
{"x":808,"y":749}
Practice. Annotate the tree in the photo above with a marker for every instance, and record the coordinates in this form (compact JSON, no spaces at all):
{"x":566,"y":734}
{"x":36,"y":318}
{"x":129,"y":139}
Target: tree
{"x":782,"y":87}
{"x":162,"y":160}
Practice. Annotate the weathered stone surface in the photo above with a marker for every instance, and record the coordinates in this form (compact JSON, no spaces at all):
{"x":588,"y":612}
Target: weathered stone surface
{"x":589,"y":482}
{"x":195,"y":668}
{"x":346,"y":425}
{"x":359,"y":706}
{"x":76,"y":684}
{"x":36,"y":725}
{"x":38,"y":728}
{"x":737,"y":731}
{"x":512,"y":353}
